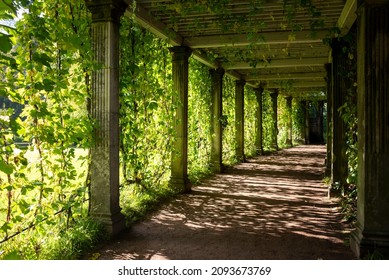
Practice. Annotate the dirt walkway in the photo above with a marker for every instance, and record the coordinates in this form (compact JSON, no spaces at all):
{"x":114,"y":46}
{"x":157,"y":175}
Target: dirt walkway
{"x":271,"y":207}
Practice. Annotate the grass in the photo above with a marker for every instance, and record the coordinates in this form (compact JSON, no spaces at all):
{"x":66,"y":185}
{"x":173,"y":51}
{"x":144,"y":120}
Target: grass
{"x":58,"y":244}
{"x":57,"y":237}
{"x":137,"y":203}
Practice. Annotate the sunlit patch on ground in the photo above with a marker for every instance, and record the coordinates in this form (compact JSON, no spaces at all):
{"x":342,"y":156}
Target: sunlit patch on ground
{"x":271,"y":207}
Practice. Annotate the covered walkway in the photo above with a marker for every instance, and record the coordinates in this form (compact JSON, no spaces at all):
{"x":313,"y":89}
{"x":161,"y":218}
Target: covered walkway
{"x":270,"y":207}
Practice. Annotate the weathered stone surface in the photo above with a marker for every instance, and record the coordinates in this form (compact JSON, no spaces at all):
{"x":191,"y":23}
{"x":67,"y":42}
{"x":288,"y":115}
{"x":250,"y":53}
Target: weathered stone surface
{"x":258,"y":116}
{"x":216,"y":119}
{"x":328,"y":68}
{"x":340,"y":85}
{"x":179,"y":159}
{"x":372,"y":233}
{"x":105,"y":110}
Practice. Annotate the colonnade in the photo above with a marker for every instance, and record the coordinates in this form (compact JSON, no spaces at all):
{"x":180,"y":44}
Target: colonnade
{"x":373,"y":115}
{"x":372,"y":32}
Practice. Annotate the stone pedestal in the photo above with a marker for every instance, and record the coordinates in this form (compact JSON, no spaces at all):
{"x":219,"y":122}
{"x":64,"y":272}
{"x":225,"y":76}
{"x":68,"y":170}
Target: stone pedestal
{"x":216,"y":119}
{"x":289,"y":136}
{"x":372,"y":234}
{"x":274,"y":138}
{"x":258,"y":117}
{"x":179,"y":159}
{"x":239,"y":120}
{"x":105,"y":110}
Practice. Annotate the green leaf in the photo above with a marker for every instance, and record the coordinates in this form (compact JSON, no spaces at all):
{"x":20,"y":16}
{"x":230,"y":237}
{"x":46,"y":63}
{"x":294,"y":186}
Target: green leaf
{"x":14,"y":255}
{"x":152,"y":105}
{"x":5,"y":227}
{"x":5,"y":167}
{"x":42,"y":58}
{"x":5,"y":43}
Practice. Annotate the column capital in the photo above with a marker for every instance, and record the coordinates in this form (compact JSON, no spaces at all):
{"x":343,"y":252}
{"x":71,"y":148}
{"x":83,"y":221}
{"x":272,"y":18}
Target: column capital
{"x":240,"y":82}
{"x":275,"y":93}
{"x":337,"y":44}
{"x":217,"y":72}
{"x":258,"y":93}
{"x":259,"y":89}
{"x":180,"y":53}
{"x":106,"y":10}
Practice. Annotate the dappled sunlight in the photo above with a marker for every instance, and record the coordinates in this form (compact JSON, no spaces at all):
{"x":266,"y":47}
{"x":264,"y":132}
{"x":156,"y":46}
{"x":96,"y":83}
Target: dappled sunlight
{"x":266,"y":208}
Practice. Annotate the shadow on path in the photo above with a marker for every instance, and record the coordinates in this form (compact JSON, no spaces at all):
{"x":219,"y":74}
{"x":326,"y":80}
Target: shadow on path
{"x":271,"y":207}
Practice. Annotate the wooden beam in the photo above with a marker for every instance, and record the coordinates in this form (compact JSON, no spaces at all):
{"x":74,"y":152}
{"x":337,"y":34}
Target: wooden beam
{"x":266,"y":38}
{"x":280,"y":63}
{"x":297,"y":84}
{"x":347,"y":17}
{"x":156,"y":27}
{"x":291,"y":76}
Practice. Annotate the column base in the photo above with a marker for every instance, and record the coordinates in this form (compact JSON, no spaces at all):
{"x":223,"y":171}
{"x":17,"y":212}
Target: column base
{"x":241,"y":158}
{"x":113,"y":223}
{"x":369,"y":245}
{"x":334,"y":190}
{"x":180,"y":185}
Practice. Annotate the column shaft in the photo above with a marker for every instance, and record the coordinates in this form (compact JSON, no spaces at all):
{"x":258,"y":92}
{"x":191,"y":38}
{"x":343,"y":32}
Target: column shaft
{"x":105,"y":110}
{"x":239,"y":119}
{"x":258,"y":117}
{"x":372,"y":233}
{"x":216,"y":119}
{"x":340,"y":86}
{"x":274,"y":139}
{"x":179,"y":159}
{"x":328,"y":68}
{"x":289,"y":136}
{"x":320,"y":121}
{"x":306,"y":123}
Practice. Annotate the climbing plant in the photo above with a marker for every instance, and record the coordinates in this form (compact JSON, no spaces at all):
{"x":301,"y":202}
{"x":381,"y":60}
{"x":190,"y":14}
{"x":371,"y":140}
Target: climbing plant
{"x":348,"y":112}
{"x":283,"y":117}
{"x":267,"y":121}
{"x":228,"y":121}
{"x":250,"y":105}
{"x":45,"y":184}
{"x":199,"y":137}
{"x":146,"y":114}
{"x":46,"y":63}
{"x":298,"y":121}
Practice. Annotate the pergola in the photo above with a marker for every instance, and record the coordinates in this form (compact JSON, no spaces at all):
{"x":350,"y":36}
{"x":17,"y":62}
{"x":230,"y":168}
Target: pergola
{"x":262,"y":45}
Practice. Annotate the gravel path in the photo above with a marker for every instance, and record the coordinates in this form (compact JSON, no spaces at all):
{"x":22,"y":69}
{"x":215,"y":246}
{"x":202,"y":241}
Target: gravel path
{"x":271,"y":207}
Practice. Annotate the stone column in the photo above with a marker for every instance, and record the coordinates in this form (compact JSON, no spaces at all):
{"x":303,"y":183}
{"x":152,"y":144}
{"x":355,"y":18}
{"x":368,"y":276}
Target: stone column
{"x":328,"y":68}
{"x":105,"y":110}
{"x":289,"y":137}
{"x":239,"y":119}
{"x":179,"y":159}
{"x":258,"y":117}
{"x":372,"y":233}
{"x":274,"y":96}
{"x":320,"y":121}
{"x":216,"y":119}
{"x":306,"y":123}
{"x":340,"y":86}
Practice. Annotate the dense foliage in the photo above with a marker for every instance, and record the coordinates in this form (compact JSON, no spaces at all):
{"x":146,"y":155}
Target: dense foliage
{"x":48,"y":74}
{"x":44,"y":151}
